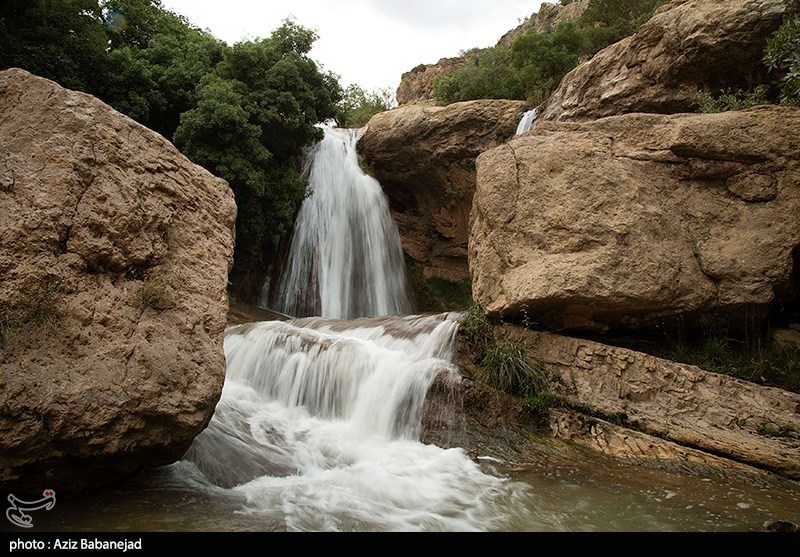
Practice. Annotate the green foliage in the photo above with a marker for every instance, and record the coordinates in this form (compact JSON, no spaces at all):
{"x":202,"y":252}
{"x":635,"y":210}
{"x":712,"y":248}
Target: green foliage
{"x":783,"y":54}
{"x":255,"y":114}
{"x":244,"y":112}
{"x":607,"y":21}
{"x":476,"y":328}
{"x":503,"y":365}
{"x":37,"y":312}
{"x":730,"y":99}
{"x":535,"y":64}
{"x":756,"y":360}
{"x":489,"y":74}
{"x":434,"y":294}
{"x":358,"y":105}
{"x":543,"y":59}
{"x":63,"y":40}
{"x":155,"y":85}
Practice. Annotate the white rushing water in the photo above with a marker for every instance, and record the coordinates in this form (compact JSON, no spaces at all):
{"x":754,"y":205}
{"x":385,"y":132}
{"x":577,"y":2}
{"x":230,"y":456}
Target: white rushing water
{"x":345,"y":259}
{"x":318,"y":428}
{"x":527,"y":122}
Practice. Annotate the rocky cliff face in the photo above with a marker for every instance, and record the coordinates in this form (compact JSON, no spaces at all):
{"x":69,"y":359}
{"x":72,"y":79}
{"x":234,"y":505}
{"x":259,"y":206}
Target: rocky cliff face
{"x":686,"y":46}
{"x":546,"y":20}
{"x":114,"y":256}
{"x":417,"y":85}
{"x":641,"y":221}
{"x":424,"y":157}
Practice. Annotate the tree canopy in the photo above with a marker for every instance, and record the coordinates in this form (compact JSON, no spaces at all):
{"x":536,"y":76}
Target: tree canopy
{"x":535,"y":64}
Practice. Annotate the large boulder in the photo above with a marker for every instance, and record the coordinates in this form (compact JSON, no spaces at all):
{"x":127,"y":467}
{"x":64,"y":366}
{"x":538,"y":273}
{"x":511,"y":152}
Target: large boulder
{"x":686,"y":46}
{"x":114,"y":257}
{"x":641,"y":221}
{"x":424,"y":157}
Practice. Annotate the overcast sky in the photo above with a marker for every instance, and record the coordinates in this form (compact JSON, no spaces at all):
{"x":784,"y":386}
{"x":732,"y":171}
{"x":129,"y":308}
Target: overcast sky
{"x":368,"y":42}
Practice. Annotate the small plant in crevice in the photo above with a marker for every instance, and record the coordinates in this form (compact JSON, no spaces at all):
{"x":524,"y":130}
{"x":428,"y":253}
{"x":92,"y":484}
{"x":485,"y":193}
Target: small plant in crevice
{"x":503,"y":365}
{"x":435,"y":294}
{"x":730,"y":99}
{"x":38,"y":312}
{"x":758,"y":358}
{"x":155,"y":293}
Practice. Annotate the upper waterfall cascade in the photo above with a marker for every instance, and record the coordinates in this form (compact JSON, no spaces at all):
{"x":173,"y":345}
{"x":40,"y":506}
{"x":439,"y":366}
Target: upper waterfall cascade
{"x":527,"y":122}
{"x":345,"y":259}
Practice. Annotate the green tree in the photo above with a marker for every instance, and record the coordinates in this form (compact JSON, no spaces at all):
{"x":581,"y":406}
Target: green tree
{"x":783,"y":54}
{"x":62,"y":40}
{"x":358,"y":105}
{"x":543,"y":59}
{"x":605,"y":22}
{"x":255,"y":114}
{"x":155,"y":62}
{"x":155,"y":85}
{"x":488,"y":74}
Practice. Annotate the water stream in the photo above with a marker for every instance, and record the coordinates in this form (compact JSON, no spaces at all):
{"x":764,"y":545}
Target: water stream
{"x":345,"y":259}
{"x":527,"y":122}
{"x":317,"y":430}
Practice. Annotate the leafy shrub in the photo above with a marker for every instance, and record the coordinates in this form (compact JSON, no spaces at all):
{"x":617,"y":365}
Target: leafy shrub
{"x":783,"y":54}
{"x":358,"y":106}
{"x":543,"y":59}
{"x":535,"y":64}
{"x":489,"y":74}
{"x":730,"y":99}
{"x":503,"y":365}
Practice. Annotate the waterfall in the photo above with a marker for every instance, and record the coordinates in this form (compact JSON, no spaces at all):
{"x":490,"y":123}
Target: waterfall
{"x":345,"y":258}
{"x":318,"y":427}
{"x":527,"y":122}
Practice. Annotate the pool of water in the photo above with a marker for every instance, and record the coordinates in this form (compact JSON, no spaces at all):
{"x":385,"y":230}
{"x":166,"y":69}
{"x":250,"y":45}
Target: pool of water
{"x":542,"y":498}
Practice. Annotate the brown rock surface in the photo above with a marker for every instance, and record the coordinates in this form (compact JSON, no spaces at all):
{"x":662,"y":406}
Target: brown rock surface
{"x":641,"y":220}
{"x":715,"y":413}
{"x":546,"y":20}
{"x":114,"y":257}
{"x":417,"y":84}
{"x":687,"y":45}
{"x":424,"y":157}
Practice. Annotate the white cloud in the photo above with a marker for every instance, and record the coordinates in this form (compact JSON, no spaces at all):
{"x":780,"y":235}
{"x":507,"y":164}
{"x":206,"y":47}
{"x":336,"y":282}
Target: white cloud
{"x":369,"y":42}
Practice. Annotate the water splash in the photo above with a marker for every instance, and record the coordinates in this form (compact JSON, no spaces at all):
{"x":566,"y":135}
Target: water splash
{"x":318,"y":428}
{"x":345,"y":259}
{"x":527,"y":122}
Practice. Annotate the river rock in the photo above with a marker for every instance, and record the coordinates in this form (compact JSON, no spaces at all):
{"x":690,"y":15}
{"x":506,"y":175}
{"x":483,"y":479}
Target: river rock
{"x":714,"y":413}
{"x":424,"y":157}
{"x":641,"y":221}
{"x":686,"y":46}
{"x":114,"y":257}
